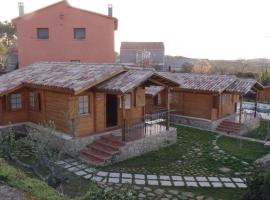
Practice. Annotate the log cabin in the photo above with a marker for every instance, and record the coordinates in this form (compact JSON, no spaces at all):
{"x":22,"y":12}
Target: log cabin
{"x":264,"y":95}
{"x":87,"y":102}
{"x":59,"y":91}
{"x":201,"y":97}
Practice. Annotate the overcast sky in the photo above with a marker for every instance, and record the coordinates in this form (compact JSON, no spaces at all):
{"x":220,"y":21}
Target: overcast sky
{"x":215,"y":29}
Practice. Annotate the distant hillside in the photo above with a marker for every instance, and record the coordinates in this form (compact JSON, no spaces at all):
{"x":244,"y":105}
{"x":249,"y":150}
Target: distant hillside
{"x":179,"y":63}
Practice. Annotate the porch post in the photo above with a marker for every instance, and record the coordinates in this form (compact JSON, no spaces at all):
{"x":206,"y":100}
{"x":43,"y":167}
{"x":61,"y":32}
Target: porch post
{"x":168,"y":108}
{"x":124,"y":118}
{"x":241,"y":107}
{"x":255,"y":109}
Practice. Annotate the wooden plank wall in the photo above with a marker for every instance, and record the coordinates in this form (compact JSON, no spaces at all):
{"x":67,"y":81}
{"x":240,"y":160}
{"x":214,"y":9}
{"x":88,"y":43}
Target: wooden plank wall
{"x":264,"y":95}
{"x":192,"y":104}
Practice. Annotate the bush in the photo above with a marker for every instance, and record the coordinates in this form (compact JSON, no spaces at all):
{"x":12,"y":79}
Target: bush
{"x":95,"y":193}
{"x":258,"y":185}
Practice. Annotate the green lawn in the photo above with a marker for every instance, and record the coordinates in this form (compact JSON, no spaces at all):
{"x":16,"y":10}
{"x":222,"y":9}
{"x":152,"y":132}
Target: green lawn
{"x":244,"y":150}
{"x":196,"y":153}
{"x":260,"y":133}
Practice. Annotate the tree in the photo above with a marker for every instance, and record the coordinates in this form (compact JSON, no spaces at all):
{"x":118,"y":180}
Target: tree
{"x":7,"y":34}
{"x":243,"y":65}
{"x":45,"y":150}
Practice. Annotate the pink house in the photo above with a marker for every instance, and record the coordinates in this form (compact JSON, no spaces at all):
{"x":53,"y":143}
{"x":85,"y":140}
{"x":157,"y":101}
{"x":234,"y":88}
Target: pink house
{"x":60,"y":32}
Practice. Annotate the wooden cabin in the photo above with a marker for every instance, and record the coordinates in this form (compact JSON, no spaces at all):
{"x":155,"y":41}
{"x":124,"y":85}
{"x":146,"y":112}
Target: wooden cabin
{"x":209,"y":97}
{"x":264,"y":95}
{"x":81,"y":99}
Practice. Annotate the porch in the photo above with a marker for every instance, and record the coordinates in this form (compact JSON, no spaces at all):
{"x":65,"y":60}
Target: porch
{"x":140,"y":137}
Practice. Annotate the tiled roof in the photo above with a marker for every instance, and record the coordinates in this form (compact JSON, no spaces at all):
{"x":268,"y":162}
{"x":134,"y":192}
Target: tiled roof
{"x":212,"y":83}
{"x":202,"y":82}
{"x":153,"y":90}
{"x":126,"y":81}
{"x":243,"y":86}
{"x":65,"y":75}
{"x":142,"y":45}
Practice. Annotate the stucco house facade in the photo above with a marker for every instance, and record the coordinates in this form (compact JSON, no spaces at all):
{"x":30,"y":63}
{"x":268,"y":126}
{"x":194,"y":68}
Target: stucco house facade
{"x":60,"y":32}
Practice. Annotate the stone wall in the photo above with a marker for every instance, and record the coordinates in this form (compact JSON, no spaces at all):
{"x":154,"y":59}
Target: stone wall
{"x":147,"y":144}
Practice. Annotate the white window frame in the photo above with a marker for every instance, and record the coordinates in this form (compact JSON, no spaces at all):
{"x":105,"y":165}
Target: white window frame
{"x":16,"y":101}
{"x":83,"y":102}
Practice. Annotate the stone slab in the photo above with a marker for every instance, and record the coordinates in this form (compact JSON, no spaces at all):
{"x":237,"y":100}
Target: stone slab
{"x":177,"y":178}
{"x":80,"y":173}
{"x":241,"y":185}
{"x":73,"y":169}
{"x":103,"y":174}
{"x":113,"y":180}
{"x":201,"y":178}
{"x":139,"y":176}
{"x":192,"y":184}
{"x":166,"y":183}
{"x":214,"y":179}
{"x":88,"y":176}
{"x":189,"y":178}
{"x":178,"y":183}
{"x":115,"y":175}
{"x":139,"y":181}
{"x":126,"y":175}
{"x":162,"y":177}
{"x":204,"y":184}
{"x":229,"y":185}
{"x":152,"y":177}
{"x":238,"y":180}
{"x":225,"y":179}
{"x":152,"y":182}
{"x":126,"y":180}
{"x":216,"y":184}
{"x":97,"y":178}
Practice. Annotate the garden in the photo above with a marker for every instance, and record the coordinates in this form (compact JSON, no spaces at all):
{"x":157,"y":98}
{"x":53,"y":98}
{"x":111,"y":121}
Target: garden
{"x":197,"y":153}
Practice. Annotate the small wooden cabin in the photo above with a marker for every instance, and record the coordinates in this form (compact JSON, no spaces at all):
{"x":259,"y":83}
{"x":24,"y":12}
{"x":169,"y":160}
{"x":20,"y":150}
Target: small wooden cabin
{"x":203,"y":96}
{"x":264,"y":95}
{"x":81,"y":99}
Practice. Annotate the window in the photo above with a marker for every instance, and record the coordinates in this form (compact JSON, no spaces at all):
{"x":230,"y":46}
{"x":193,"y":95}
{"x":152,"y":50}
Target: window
{"x":16,"y":101}
{"x":79,"y":33}
{"x":127,"y":102}
{"x":43,"y":33}
{"x":83,"y":105}
{"x":75,"y":61}
{"x":34,"y":101}
{"x":157,"y":100}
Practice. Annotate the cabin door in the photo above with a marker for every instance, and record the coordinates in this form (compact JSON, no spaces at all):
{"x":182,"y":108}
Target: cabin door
{"x":111,"y":110}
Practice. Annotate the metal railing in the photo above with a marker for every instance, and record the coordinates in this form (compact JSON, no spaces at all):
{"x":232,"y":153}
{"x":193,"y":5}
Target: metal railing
{"x":152,"y":124}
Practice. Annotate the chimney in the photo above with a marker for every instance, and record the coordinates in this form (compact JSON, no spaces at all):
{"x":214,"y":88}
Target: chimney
{"x":110,"y":10}
{"x":21,"y":8}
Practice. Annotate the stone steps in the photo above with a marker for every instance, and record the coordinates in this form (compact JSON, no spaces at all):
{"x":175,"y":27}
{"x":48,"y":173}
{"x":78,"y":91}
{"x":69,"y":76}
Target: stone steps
{"x":102,"y":150}
{"x":229,"y":127}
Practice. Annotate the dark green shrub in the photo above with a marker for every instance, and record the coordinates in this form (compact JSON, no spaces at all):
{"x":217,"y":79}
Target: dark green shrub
{"x":258,"y":185}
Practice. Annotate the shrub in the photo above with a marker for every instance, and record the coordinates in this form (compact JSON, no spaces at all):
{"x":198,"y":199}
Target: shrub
{"x":258,"y":185}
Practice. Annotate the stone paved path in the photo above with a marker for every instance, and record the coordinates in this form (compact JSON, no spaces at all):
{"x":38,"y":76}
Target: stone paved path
{"x":89,"y":173}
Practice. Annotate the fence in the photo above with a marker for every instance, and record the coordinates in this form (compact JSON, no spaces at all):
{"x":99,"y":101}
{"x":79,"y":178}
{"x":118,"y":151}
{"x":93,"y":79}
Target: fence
{"x":152,"y":124}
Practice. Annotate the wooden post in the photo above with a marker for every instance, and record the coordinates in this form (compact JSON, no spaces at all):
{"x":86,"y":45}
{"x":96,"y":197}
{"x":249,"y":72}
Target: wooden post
{"x":241,"y":108}
{"x":255,"y":109}
{"x":124,"y":118}
{"x":168,"y":109}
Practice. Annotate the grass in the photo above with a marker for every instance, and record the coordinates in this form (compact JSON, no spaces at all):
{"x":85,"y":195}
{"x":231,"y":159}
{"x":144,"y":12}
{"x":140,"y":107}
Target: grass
{"x":18,"y":179}
{"x":245,"y":150}
{"x":261,"y":133}
{"x":194,"y":154}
